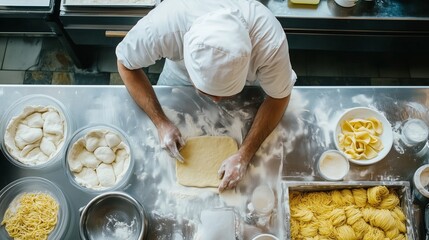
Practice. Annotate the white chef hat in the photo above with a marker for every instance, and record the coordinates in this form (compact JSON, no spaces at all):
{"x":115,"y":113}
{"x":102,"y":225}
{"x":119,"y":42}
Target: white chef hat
{"x":217,"y":52}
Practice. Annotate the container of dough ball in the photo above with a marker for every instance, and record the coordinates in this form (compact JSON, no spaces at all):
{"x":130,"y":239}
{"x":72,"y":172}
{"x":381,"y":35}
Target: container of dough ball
{"x":98,"y":159}
{"x":34,"y":131}
{"x":49,"y":199}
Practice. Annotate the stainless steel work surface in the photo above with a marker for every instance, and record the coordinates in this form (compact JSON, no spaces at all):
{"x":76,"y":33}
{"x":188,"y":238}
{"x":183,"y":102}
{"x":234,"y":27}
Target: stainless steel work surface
{"x":310,"y":121}
{"x":173,"y":210}
{"x":289,"y":153}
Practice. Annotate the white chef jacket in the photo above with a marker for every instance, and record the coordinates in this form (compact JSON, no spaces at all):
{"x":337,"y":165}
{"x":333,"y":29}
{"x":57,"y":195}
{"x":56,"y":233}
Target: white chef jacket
{"x":160,"y":35}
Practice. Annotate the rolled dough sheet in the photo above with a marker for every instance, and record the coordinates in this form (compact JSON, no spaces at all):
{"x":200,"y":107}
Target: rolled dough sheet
{"x":203,"y":157}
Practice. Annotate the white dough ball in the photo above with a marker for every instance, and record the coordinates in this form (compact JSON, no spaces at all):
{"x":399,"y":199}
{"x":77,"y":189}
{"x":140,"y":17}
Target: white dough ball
{"x":87,"y":177}
{"x":105,"y":154}
{"x":112,"y":140}
{"x":88,"y":159}
{"x":53,"y":123}
{"x":47,"y":146}
{"x":28,"y":134}
{"x":34,"y":120}
{"x":106,"y":175}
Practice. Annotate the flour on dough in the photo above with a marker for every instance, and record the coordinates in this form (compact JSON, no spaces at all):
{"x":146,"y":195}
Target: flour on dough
{"x":203,"y":158}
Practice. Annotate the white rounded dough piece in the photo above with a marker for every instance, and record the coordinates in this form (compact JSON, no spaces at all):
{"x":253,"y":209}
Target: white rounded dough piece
{"x":103,"y":151}
{"x":36,"y":127}
{"x":106,"y":175}
{"x":88,"y":159}
{"x":94,"y":140}
{"x":47,"y":146}
{"x":53,"y":123}
{"x":75,"y":164}
{"x":19,"y":142}
{"x":34,"y":120}
{"x":105,"y":154}
{"x":121,"y":162}
{"x":87,"y":177}
{"x":29,"y":134}
{"x":78,"y":153}
{"x":27,"y":149}
{"x":112,"y":139}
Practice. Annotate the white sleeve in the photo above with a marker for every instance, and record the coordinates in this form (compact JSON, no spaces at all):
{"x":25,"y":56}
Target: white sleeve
{"x":276,"y":75}
{"x":139,"y":48}
{"x":157,"y":35}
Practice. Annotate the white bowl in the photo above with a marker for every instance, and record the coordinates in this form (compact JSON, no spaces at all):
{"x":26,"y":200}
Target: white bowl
{"x":346,"y":3}
{"x":265,"y":236}
{"x":386,"y":137}
{"x":333,"y":165}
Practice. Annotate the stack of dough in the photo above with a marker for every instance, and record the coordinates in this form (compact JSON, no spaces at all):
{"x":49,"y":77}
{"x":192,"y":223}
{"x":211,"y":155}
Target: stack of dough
{"x":36,"y":135}
{"x":99,"y":159}
{"x":360,"y":138}
{"x":349,"y":214}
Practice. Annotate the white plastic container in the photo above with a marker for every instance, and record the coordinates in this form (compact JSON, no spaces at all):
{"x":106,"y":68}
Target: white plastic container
{"x":421,"y":184}
{"x":414,"y":132}
{"x":39,"y":185}
{"x":265,"y":236}
{"x":346,"y":3}
{"x":18,"y":108}
{"x":263,"y":199}
{"x":121,"y":180}
{"x":333,"y":165}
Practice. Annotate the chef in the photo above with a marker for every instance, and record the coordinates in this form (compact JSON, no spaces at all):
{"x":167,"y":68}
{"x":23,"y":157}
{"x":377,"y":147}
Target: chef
{"x":218,"y":47}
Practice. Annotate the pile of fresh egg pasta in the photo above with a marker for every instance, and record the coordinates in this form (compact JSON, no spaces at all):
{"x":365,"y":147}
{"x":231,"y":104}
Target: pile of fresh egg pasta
{"x":32,"y":217}
{"x":360,"y":138}
{"x":368,"y":214}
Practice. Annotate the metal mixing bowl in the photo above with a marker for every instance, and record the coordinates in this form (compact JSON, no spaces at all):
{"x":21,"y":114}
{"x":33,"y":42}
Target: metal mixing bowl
{"x":113,"y":215}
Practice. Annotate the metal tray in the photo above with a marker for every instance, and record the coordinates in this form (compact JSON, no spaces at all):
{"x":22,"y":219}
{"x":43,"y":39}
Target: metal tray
{"x":25,"y":3}
{"x":402,"y":187}
{"x":109,"y":3}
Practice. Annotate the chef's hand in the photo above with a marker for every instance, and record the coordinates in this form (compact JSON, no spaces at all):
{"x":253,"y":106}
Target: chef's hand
{"x":171,"y":140}
{"x":232,"y":171}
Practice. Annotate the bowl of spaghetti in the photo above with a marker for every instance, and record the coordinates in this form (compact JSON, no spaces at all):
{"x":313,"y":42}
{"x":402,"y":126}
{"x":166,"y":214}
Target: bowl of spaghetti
{"x":33,"y":208}
{"x":364,"y":135}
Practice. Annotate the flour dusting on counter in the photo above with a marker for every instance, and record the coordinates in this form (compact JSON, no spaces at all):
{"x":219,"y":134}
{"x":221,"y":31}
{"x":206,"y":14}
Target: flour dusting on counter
{"x":183,"y":205}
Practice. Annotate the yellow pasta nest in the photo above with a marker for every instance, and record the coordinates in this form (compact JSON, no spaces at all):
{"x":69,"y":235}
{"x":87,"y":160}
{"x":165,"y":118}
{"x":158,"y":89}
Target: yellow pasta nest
{"x":349,"y":214}
{"x":360,"y":138}
{"x":32,"y":216}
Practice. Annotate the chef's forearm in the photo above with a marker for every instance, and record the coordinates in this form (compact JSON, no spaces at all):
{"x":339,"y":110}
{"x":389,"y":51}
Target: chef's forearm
{"x":141,"y":90}
{"x":267,"y":118}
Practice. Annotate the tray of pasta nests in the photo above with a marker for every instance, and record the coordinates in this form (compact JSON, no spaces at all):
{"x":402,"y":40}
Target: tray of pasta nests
{"x":368,"y":210}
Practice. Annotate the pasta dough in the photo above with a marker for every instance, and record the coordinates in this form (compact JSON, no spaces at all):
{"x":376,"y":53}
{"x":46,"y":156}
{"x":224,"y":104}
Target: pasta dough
{"x":35,"y":135}
{"x":203,"y":158}
{"x":347,"y":214}
{"x":360,"y":138}
{"x":99,"y":160}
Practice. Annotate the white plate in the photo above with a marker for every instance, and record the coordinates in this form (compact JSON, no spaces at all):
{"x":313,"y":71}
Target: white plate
{"x":386,"y":137}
